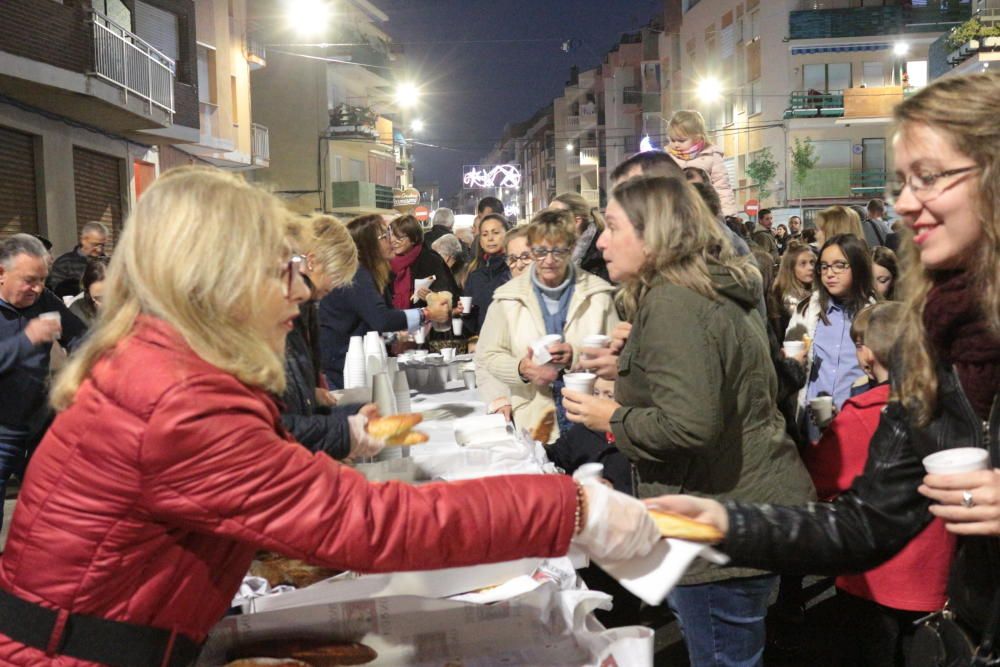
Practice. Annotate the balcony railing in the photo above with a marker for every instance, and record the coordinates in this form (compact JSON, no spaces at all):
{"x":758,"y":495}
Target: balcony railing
{"x":867,"y":181}
{"x":131,"y":64}
{"x":871,"y":21}
{"x":261,"y":143}
{"x":815,"y":104}
{"x":572,"y":123}
{"x":589,"y":157}
{"x":361,"y":195}
{"x":256,"y":51}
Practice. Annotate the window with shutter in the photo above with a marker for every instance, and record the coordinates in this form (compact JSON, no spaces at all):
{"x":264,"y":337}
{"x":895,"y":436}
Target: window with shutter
{"x":98,"y":184}
{"x":18,"y":196}
{"x":158,"y":27}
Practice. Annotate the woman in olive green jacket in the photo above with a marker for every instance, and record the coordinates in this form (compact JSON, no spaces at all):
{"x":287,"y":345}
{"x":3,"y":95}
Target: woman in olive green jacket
{"x":695,"y":406}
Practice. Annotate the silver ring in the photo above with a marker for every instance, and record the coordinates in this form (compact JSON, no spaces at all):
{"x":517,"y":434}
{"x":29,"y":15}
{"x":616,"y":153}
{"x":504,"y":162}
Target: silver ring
{"x":967,"y":500}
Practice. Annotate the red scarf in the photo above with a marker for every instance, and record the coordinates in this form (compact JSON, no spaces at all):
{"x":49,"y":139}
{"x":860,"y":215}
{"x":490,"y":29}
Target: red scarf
{"x":402,"y":283}
{"x":958,"y":332}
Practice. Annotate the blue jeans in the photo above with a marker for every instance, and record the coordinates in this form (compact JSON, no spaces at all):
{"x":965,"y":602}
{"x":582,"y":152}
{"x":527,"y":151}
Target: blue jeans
{"x":12,"y":457}
{"x":723,"y":621}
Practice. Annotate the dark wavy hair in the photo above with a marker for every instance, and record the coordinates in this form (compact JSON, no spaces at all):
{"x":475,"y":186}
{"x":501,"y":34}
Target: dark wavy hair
{"x":862,"y":290}
{"x":365,"y":231}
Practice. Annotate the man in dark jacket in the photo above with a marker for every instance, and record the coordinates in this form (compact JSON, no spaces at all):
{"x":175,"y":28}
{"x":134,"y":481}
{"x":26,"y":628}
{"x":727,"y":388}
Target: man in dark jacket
{"x":443,"y":223}
{"x":31,"y":319}
{"x":67,"y":270}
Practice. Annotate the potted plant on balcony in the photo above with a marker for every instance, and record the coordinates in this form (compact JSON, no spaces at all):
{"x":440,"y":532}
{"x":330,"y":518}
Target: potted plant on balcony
{"x":964,"y":40}
{"x":804,"y":158}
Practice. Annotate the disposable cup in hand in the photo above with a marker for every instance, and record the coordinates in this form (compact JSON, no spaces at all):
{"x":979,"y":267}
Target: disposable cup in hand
{"x":960,"y":459}
{"x":420,"y":336}
{"x":581,"y":382}
{"x":793,"y":348}
{"x":456,"y":325}
{"x":541,"y":348}
{"x":466,"y":304}
{"x":822,"y":407}
{"x":596,"y":340}
{"x":51,"y":315}
{"x":589,"y":471}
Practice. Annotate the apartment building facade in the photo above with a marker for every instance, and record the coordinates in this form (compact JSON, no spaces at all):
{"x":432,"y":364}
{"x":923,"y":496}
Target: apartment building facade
{"x":329,"y":111}
{"x":88,"y":90}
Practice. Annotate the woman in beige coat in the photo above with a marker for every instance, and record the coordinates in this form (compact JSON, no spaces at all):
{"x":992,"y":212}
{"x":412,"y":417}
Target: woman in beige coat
{"x":553,"y":297}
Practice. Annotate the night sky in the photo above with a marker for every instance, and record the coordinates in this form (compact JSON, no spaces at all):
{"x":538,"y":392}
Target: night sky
{"x":483,"y":64}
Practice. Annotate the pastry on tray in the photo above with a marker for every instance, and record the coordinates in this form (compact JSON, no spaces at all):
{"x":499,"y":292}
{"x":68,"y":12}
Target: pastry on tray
{"x":682,"y":528}
{"x":315,"y":653}
{"x":281,"y":570}
{"x":543,"y":429}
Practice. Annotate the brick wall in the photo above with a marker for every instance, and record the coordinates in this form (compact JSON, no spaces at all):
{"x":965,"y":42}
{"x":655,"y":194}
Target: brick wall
{"x":47,"y":32}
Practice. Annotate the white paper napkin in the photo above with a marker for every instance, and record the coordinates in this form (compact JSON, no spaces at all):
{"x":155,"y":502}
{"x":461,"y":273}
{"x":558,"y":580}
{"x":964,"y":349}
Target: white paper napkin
{"x":651,"y":577}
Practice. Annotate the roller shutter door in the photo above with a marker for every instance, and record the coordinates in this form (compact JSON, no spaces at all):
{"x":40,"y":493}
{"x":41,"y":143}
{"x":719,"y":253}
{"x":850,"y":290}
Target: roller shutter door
{"x":98,"y":184}
{"x":18,"y":194}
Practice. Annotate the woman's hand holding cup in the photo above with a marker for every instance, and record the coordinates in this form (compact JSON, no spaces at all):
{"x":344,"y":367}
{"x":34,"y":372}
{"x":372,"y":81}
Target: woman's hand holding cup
{"x":966,"y":489}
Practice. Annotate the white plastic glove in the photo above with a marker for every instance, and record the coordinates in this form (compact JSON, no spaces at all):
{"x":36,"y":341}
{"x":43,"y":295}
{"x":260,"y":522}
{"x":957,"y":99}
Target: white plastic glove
{"x":363,"y":443}
{"x":618,"y":526}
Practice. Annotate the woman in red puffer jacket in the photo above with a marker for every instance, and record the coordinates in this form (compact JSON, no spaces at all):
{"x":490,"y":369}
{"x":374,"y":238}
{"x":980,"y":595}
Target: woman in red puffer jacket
{"x":168,"y":467}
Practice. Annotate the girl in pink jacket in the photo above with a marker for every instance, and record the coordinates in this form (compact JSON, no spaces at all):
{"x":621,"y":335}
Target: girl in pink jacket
{"x":690,"y":148}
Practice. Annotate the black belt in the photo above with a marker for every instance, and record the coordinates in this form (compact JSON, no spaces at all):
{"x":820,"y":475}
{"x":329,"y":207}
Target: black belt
{"x":57,"y":632}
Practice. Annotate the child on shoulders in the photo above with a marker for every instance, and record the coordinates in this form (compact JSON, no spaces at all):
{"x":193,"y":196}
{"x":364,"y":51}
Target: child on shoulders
{"x":689,"y":147}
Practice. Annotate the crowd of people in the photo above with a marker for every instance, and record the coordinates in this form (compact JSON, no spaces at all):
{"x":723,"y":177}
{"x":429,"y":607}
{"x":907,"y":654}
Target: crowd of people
{"x":743,"y":374}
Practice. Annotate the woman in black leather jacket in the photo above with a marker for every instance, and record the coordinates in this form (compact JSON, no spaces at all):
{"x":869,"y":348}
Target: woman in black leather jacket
{"x":947,"y":371}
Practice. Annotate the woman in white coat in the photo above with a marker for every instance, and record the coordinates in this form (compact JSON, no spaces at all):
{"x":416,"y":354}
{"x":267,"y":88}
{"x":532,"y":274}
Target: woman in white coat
{"x":553,"y":297}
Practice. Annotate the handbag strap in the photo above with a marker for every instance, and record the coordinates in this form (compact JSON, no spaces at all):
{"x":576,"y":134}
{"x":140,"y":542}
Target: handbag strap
{"x":991,"y":631}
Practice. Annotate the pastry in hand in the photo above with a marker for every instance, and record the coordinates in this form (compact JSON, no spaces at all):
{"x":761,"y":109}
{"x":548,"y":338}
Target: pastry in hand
{"x":680,"y":527}
{"x":407,"y":439}
{"x":543,"y":429}
{"x":393,"y":425}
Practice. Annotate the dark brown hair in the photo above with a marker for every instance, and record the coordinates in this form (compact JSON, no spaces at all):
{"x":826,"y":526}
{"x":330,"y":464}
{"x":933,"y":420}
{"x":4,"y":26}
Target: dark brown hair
{"x":365,"y":231}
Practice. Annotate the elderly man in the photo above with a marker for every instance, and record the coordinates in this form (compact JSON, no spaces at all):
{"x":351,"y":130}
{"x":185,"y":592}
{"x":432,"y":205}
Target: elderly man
{"x":31,"y":319}
{"x":69,"y":267}
{"x":443,"y":223}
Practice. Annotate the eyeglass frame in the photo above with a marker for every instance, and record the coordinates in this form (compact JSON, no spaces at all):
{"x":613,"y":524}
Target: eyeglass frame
{"x":293,"y":267}
{"x":560,"y":255}
{"x":892,"y":193}
{"x":822,"y":267}
{"x":524,"y":258}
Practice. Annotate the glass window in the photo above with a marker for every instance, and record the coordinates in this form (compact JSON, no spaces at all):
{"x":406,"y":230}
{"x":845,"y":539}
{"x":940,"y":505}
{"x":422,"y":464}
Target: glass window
{"x":756,"y":100}
{"x":833,"y":154}
{"x":838,"y":76}
{"x":754,"y":26}
{"x":874,"y":74}
{"x":814,"y":77}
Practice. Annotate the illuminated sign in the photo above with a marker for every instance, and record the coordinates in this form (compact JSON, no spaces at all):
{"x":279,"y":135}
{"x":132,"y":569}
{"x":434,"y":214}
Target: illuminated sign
{"x":495,"y":176}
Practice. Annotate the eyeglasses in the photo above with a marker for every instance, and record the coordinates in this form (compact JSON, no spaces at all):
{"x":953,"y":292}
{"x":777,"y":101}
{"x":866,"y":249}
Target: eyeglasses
{"x":523,"y":258}
{"x":558,"y":254}
{"x":383,"y":236}
{"x":836,"y":268}
{"x":291,"y":272}
{"x":925,"y":187}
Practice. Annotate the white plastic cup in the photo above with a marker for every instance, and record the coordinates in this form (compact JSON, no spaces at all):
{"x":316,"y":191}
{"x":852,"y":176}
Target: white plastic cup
{"x":589,"y":471}
{"x":51,"y":315}
{"x":793,"y":348}
{"x":581,"y":382}
{"x":540,"y":348}
{"x":595,"y":340}
{"x":822,"y":407}
{"x":448,"y":354}
{"x":466,"y":302}
{"x":420,"y":336}
{"x":469,"y":377}
{"x":456,"y":326}
{"x":960,"y":459}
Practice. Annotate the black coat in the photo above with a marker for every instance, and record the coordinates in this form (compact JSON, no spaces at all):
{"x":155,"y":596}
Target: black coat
{"x":593,"y":261}
{"x":429,"y":263}
{"x":67,"y":270}
{"x":481,"y":284}
{"x":24,"y":368}
{"x":319,"y":428}
{"x":581,"y":445}
{"x":882,"y":511}
{"x":434,"y":233}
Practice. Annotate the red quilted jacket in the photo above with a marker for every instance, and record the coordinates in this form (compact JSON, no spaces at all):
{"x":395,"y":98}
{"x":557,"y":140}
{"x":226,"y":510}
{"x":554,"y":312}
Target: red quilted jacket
{"x":148,"y":497}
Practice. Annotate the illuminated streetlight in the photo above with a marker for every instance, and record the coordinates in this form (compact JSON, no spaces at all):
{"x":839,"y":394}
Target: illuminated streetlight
{"x":569,"y":148}
{"x":709,"y":89}
{"x":900,"y":48}
{"x":417,"y":125}
{"x":407,"y":94}
{"x":309,"y":16}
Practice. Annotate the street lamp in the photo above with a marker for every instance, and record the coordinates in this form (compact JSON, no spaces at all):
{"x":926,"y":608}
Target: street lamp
{"x":900,"y":49}
{"x":569,"y":148}
{"x":709,"y":89}
{"x":309,"y":16}
{"x":407,"y":94}
{"x":417,"y":125}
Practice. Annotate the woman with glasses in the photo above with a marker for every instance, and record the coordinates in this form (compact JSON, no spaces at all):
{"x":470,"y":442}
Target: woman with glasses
{"x":945,"y":377}
{"x":551,"y":297}
{"x":694,"y":404}
{"x":411,"y":261}
{"x":167,"y":467}
{"x":88,"y":305}
{"x":488,"y":271}
{"x":843,"y":286}
{"x":363,"y":304}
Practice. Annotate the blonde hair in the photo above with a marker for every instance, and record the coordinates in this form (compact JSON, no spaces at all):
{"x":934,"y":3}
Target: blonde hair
{"x":328,"y":241}
{"x":552,"y":224}
{"x":681,"y":239}
{"x":690,"y":123}
{"x":837,"y":220}
{"x":581,"y":208}
{"x":963,"y":109}
{"x":197,"y":252}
